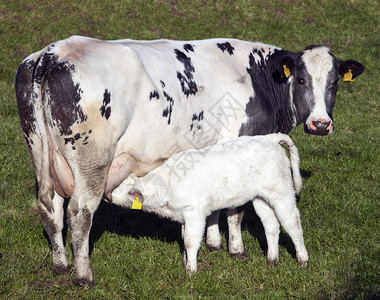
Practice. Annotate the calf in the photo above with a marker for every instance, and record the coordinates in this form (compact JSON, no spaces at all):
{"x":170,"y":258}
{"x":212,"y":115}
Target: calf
{"x":221,"y":176}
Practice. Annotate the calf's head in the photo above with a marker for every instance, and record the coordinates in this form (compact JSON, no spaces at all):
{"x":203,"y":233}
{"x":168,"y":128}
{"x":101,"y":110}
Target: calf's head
{"x":313,"y":75}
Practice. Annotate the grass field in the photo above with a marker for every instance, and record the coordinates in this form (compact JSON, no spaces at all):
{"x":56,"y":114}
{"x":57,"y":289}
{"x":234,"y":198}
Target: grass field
{"x":137,"y":255}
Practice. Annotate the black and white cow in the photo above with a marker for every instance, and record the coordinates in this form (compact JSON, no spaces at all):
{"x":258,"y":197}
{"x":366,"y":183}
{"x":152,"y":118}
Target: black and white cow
{"x":93,"y":111}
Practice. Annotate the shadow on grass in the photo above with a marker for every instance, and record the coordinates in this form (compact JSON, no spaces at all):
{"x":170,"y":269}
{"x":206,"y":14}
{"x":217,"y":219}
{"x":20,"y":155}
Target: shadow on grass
{"x":133,"y":223}
{"x":137,"y":223}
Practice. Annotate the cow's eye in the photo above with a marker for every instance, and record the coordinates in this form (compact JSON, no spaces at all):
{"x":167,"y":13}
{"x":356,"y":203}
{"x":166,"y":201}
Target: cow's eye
{"x":301,"y":81}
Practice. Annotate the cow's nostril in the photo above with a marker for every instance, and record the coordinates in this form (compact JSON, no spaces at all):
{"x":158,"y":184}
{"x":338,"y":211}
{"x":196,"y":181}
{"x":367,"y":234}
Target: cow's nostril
{"x":320,"y":127}
{"x":321,"y":124}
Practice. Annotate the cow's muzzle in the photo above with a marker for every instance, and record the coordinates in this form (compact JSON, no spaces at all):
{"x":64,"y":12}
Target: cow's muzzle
{"x":319,"y":127}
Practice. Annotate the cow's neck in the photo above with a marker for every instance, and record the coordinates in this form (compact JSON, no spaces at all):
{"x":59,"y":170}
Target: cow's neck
{"x":270,"y":108}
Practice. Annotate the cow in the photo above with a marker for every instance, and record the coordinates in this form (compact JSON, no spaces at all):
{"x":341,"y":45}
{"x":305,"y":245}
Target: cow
{"x":224,"y":175}
{"x":92,"y":112}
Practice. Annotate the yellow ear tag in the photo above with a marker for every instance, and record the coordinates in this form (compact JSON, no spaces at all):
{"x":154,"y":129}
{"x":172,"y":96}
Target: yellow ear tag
{"x":136,"y":204}
{"x":348,"y":76}
{"x":286,"y":71}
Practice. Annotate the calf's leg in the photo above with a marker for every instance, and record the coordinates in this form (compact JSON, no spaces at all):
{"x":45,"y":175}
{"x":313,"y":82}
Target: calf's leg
{"x":271,"y":227}
{"x":213,"y":239}
{"x":192,"y":232}
{"x":289,"y":217}
{"x":235,"y":241}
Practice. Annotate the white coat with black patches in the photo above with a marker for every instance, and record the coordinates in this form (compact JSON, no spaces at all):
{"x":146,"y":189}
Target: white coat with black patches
{"x":93,"y":112}
{"x":225,"y":175}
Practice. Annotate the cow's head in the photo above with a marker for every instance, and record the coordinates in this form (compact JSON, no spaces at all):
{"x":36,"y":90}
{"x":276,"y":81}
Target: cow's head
{"x":313,"y":75}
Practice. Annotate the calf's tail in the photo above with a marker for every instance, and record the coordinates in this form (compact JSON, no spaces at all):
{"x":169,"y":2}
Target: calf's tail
{"x":294,"y":161}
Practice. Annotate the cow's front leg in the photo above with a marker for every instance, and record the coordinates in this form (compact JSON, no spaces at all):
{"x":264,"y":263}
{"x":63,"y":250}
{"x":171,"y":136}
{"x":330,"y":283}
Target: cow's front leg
{"x":213,"y":239}
{"x":271,"y":227}
{"x":192,"y":232}
{"x":52,"y":213}
{"x":235,"y":242}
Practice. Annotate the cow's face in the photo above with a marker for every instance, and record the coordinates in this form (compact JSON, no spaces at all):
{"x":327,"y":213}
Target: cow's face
{"x":314,"y":82}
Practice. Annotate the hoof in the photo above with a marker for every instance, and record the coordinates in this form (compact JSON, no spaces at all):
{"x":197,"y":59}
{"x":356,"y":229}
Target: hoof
{"x":242,"y":256}
{"x":272,"y":262}
{"x":214,"y":248}
{"x":84,"y":282}
{"x":58,"y":270}
{"x":304,"y":265}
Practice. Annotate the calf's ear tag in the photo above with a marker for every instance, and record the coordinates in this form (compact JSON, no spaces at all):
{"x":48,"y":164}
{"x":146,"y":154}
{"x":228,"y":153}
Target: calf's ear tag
{"x":286,"y":71}
{"x":136,"y":204}
{"x":348,"y":76}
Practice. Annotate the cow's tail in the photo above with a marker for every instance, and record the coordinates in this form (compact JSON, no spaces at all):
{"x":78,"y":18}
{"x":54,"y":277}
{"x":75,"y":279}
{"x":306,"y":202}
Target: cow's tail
{"x":294,"y":161}
{"x":45,"y":184}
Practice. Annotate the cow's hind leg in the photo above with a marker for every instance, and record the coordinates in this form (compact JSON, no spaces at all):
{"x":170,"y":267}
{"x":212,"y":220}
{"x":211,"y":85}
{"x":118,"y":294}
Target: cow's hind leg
{"x":88,"y":192}
{"x":52,"y":212}
{"x":80,"y":214}
{"x":271,"y":227}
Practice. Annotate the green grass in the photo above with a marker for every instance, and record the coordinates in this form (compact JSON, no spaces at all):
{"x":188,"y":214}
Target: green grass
{"x":136,"y":255}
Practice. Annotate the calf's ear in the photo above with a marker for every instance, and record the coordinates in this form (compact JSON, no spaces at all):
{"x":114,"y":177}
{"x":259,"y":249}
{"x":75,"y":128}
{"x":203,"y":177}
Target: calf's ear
{"x":350,"y":69}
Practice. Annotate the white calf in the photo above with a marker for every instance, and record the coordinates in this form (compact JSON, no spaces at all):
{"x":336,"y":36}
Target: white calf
{"x":192,"y":184}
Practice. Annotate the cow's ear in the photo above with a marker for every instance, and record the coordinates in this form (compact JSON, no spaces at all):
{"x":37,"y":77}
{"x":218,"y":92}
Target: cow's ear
{"x":284,"y":68}
{"x":350,"y":69}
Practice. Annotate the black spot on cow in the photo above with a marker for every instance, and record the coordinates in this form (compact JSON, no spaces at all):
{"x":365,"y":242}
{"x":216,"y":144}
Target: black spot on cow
{"x":162,"y":83}
{"x":167,"y":113}
{"x":105,"y":110}
{"x":24,"y":92}
{"x":65,"y":96}
{"x":195,"y":120}
{"x":86,"y":137}
{"x":226,"y":47}
{"x":260,"y":53}
{"x":198,"y":117}
{"x":154,"y":94}
{"x":72,"y":140}
{"x":188,"y":47}
{"x":186,"y":79}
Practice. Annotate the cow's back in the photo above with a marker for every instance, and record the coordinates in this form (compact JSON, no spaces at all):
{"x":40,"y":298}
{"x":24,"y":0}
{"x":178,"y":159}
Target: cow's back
{"x":165,"y":90}
{"x":199,"y":96}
